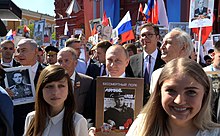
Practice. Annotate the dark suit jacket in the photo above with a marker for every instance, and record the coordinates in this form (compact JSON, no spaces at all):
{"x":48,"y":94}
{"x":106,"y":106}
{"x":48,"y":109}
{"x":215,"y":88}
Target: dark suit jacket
{"x":204,"y":12}
{"x":135,"y":68}
{"x":82,"y":88}
{"x":39,"y":69}
{"x":93,"y":70}
{"x":14,"y":64}
{"x":136,"y":63}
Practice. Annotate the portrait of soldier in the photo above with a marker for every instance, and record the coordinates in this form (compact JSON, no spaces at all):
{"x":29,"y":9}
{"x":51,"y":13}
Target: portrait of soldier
{"x":118,"y":115}
{"x":20,"y":89}
{"x":202,"y":10}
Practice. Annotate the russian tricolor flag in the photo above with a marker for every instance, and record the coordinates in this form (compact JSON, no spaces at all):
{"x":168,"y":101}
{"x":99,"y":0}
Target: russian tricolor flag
{"x":124,"y":28}
{"x":156,"y":13}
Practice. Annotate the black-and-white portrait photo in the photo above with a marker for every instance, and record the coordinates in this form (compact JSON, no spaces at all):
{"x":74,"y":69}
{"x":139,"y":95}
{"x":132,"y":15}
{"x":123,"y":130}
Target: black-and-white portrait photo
{"x":18,"y":81}
{"x":119,"y":107}
{"x":39,"y":31}
{"x":215,"y":38}
{"x":201,"y":13}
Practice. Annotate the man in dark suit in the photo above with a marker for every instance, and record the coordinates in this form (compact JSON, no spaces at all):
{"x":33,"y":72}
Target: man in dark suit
{"x":67,"y":58}
{"x":116,"y":60}
{"x":8,"y":49}
{"x":142,"y":65}
{"x":99,"y":68}
{"x":27,"y":52}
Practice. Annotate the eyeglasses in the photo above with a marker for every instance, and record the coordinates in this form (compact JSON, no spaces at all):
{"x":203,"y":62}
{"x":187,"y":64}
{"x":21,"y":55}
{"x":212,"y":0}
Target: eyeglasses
{"x":148,"y":35}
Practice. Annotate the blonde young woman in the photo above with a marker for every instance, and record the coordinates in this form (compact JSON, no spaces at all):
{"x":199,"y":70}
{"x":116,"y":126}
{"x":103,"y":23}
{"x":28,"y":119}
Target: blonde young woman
{"x":179,"y":105}
{"x":54,"y":113}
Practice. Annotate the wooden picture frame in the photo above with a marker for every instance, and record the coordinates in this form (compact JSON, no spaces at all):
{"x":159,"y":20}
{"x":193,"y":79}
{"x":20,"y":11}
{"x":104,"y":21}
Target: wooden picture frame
{"x":108,"y":91}
{"x":19,"y":81}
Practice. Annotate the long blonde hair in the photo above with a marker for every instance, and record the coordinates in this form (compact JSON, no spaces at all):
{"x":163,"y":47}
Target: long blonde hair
{"x":154,"y":118}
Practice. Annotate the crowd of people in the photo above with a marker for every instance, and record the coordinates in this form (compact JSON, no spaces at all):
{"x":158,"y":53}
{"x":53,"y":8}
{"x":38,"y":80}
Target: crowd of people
{"x":178,"y":98}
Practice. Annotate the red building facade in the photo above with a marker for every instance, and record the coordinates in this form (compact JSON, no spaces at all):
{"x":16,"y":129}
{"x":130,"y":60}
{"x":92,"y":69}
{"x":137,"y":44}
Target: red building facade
{"x":81,"y":19}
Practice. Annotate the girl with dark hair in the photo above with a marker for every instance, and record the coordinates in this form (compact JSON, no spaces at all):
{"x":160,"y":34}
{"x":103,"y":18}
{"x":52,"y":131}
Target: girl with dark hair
{"x":54,"y":113}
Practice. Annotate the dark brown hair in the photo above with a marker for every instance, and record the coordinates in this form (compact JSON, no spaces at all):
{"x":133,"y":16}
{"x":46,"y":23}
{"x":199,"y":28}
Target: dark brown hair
{"x":49,"y":74}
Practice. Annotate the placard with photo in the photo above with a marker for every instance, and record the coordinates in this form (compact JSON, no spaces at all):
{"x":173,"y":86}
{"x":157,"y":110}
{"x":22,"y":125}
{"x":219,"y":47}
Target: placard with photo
{"x":201,"y":13}
{"x":118,"y":102}
{"x":18,"y":80}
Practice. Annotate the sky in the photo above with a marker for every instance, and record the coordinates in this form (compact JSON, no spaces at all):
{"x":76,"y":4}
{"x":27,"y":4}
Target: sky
{"x":42,"y":6}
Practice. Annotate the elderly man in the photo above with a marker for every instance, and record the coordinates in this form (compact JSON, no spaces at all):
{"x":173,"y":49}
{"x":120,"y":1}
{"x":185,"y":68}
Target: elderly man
{"x":176,"y":44}
{"x":27,"y":52}
{"x":142,"y":65}
{"x":77,"y":45}
{"x":7,"y":48}
{"x":67,"y":58}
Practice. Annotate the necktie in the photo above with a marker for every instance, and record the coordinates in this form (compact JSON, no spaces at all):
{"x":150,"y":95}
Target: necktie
{"x":147,"y":70}
{"x":104,"y":70}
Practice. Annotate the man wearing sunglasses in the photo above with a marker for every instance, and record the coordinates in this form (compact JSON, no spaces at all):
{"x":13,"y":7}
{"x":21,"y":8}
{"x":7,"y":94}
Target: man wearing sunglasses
{"x":142,"y":65}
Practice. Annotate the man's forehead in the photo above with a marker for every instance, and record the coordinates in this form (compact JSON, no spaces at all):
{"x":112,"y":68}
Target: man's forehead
{"x":147,"y":28}
{"x":7,"y":44}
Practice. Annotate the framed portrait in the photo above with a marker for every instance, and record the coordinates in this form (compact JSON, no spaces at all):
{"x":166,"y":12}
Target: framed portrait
{"x":201,"y":13}
{"x":96,"y":22}
{"x":182,"y":25}
{"x":215,"y":38}
{"x":47,"y":35}
{"x":118,"y":102}
{"x":62,"y":40}
{"x":39,"y":31}
{"x":215,"y":101}
{"x":18,"y":80}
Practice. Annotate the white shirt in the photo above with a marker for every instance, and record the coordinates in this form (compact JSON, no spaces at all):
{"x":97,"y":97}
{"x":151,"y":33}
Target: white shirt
{"x":121,"y":76}
{"x":54,"y":124}
{"x":73,"y":77}
{"x":153,"y":60}
{"x":154,"y":78}
{"x":34,"y":70}
{"x":10,"y":64}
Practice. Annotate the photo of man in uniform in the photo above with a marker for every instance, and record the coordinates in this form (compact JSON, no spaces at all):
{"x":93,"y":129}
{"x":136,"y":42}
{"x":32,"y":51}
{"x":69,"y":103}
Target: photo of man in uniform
{"x":202,"y":11}
{"x":119,"y":115}
{"x":20,"y":89}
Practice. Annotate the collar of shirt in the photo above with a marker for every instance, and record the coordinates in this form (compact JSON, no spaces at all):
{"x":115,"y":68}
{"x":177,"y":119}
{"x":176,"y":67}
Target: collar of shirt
{"x":87,"y":63}
{"x":10,"y":64}
{"x":57,"y":118}
{"x":153,"y":55}
{"x":73,"y":77}
{"x":121,"y":76}
{"x":34,"y":67}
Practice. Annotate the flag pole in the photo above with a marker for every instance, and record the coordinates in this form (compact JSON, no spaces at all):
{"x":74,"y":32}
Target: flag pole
{"x":138,"y":13}
{"x":199,"y":44}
